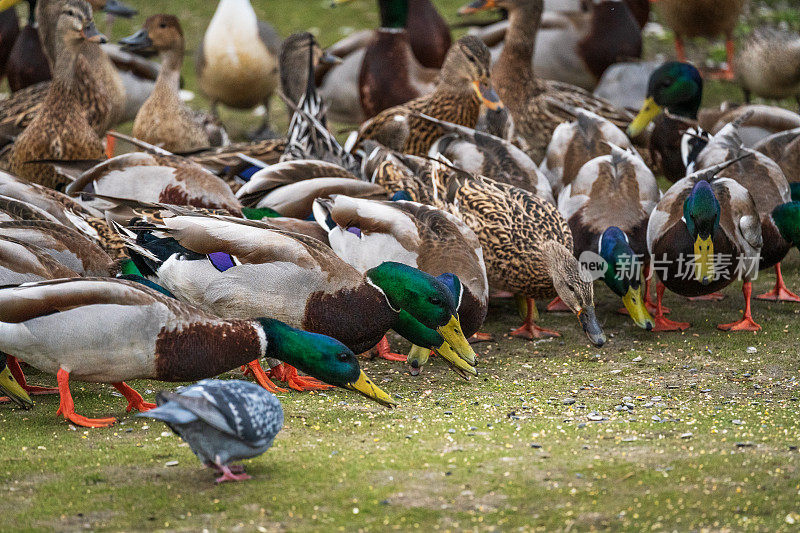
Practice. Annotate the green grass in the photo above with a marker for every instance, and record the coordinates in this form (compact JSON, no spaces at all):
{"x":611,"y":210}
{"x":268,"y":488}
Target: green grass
{"x":499,"y":452}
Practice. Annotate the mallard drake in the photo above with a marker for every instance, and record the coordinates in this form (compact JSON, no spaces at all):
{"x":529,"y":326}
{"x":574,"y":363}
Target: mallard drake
{"x":366,"y":233}
{"x":621,"y":179}
{"x":761,"y":121}
{"x":154,"y":178}
{"x":243,"y":268}
{"x":463,"y":86}
{"x":11,"y":388}
{"x":164,"y":120}
{"x":111,"y":330}
{"x":60,"y":129}
{"x":769,"y":65}
{"x":577,"y":142}
{"x":482,"y":153}
{"x":526,"y":96}
{"x":702,"y":18}
{"x":527,"y":247}
{"x":222,"y":421}
{"x":784,"y":149}
{"x":237,"y":60}
{"x":703,"y":234}
{"x":767,"y":184}
{"x":27,"y":63}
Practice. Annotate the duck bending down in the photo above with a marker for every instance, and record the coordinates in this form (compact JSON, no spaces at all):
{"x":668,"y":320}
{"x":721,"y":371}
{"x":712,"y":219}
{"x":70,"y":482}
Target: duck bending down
{"x":105,"y":330}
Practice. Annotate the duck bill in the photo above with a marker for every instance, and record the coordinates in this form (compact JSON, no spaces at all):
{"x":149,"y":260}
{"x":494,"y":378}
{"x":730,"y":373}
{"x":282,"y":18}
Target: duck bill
{"x":12,"y":389}
{"x":91,"y":34}
{"x":118,"y":9}
{"x":487,"y":95}
{"x":417,"y":358}
{"x":365,"y":386}
{"x":477,"y":5}
{"x":649,"y":111}
{"x":137,"y":42}
{"x":454,"y":336}
{"x":459,"y":365}
{"x":591,"y":326}
{"x":7,"y":4}
{"x":330,"y":59}
{"x":704,"y":259}
{"x":634,"y":303}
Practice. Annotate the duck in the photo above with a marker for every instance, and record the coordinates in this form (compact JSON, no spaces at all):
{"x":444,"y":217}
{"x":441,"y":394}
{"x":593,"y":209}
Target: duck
{"x":762,"y":120}
{"x":294,"y":68}
{"x":479,"y":152}
{"x":701,"y":220}
{"x":783,"y":148}
{"x":24,"y":262}
{"x":9,"y":31}
{"x":768,"y":65}
{"x":27,"y":63}
{"x":237,"y":60}
{"x":527,"y":248}
{"x":10,"y":388}
{"x":222,"y":421}
{"x":702,"y":18}
{"x":464,"y":85}
{"x":367,"y":232}
{"x":12,"y":209}
{"x":61,"y":129}
{"x":164,"y":120}
{"x":577,"y":142}
{"x":144,"y":336}
{"x":622,"y":179}
{"x":768,"y":186}
{"x":526,"y":96}
{"x":241,"y":269}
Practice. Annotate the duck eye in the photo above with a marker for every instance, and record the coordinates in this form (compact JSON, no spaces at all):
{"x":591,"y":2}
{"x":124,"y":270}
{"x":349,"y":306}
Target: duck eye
{"x":343,"y":357}
{"x":435,"y":300}
{"x":162,"y":25}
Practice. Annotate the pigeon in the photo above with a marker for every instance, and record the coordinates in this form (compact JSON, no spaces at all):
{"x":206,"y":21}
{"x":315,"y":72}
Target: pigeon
{"x":222,"y":421}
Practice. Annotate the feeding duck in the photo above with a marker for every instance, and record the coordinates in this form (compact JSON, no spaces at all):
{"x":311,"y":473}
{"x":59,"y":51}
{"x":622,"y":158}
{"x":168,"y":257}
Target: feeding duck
{"x":699,"y":222}
{"x":27,"y":63}
{"x":237,"y":61}
{"x":366,"y":233}
{"x":702,"y":18}
{"x":10,"y":388}
{"x":164,"y":120}
{"x":620,"y":234}
{"x":526,"y":96}
{"x":222,"y":421}
{"x":463,"y":86}
{"x":767,"y":184}
{"x":60,"y":129}
{"x":243,"y":269}
{"x":577,"y":142}
{"x":110,"y":330}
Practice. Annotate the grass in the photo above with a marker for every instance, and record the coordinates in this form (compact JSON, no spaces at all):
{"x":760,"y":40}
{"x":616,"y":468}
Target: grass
{"x":710,"y":443}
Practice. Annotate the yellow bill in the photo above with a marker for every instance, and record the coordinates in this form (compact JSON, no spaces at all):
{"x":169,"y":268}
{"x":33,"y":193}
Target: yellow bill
{"x":487,"y":95}
{"x":365,"y":386}
{"x":417,"y":358}
{"x":634,"y":303}
{"x":458,"y":364}
{"x":649,"y":111}
{"x":6,"y":4}
{"x":12,"y":389}
{"x":704,"y":260}
{"x":452,"y":333}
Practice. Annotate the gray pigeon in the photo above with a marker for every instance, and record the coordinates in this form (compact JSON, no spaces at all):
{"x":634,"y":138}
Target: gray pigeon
{"x":222,"y":421}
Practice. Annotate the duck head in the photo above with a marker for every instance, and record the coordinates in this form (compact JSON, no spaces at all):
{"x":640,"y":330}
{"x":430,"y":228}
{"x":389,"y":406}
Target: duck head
{"x":425,"y":299}
{"x":623,"y":275}
{"x":675,"y":86}
{"x":787,"y":219}
{"x":467,"y":67}
{"x":701,"y":212}
{"x":10,"y":388}
{"x":159,"y":33}
{"x":76,"y":26}
{"x":574,"y":288}
{"x":321,"y":357}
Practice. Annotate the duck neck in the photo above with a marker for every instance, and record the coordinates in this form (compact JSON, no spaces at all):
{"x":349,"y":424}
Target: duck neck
{"x":281,"y":341}
{"x":169,"y":77}
{"x":394,"y":13}
{"x":517,"y":55}
{"x":65,"y":74}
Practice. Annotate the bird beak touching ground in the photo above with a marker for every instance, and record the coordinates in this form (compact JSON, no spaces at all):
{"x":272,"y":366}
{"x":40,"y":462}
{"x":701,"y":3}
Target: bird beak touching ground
{"x":650,"y":110}
{"x":458,"y":364}
{"x":477,"y":5}
{"x":365,"y":386}
{"x":487,"y":95}
{"x":454,"y":336}
{"x":634,"y":303}
{"x":12,"y":389}
{"x":591,"y":326}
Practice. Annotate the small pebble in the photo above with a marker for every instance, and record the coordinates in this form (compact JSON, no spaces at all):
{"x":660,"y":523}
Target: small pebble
{"x":568,"y":401}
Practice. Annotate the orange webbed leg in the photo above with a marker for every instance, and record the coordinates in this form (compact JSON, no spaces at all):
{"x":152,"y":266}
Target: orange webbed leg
{"x":385,"y":351}
{"x":746,"y":323}
{"x":288,"y":373}
{"x":529,"y":329}
{"x":662,"y":322}
{"x":135,"y":400}
{"x":780,"y":293}
{"x":262,"y":378}
{"x":67,"y":406}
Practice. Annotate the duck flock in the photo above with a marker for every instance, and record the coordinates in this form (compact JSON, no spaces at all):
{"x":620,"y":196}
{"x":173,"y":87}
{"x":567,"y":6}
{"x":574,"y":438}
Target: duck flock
{"x":469,"y":174}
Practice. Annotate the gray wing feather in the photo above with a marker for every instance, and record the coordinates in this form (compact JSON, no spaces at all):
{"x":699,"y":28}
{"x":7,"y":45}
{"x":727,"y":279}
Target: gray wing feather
{"x":269,"y":37}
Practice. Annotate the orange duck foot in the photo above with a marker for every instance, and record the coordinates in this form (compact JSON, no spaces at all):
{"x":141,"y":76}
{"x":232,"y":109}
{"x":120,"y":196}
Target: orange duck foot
{"x":745,"y":324}
{"x":558,"y":306}
{"x":530,"y":331}
{"x":229,"y":475}
{"x":135,"y":400}
{"x":481,"y":337}
{"x":780,"y":293}
{"x":261,"y":377}
{"x":16,"y":371}
{"x":664,"y":324}
{"x":713,"y":297}
{"x":385,"y":352}
{"x":67,"y":406}
{"x":288,"y":374}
